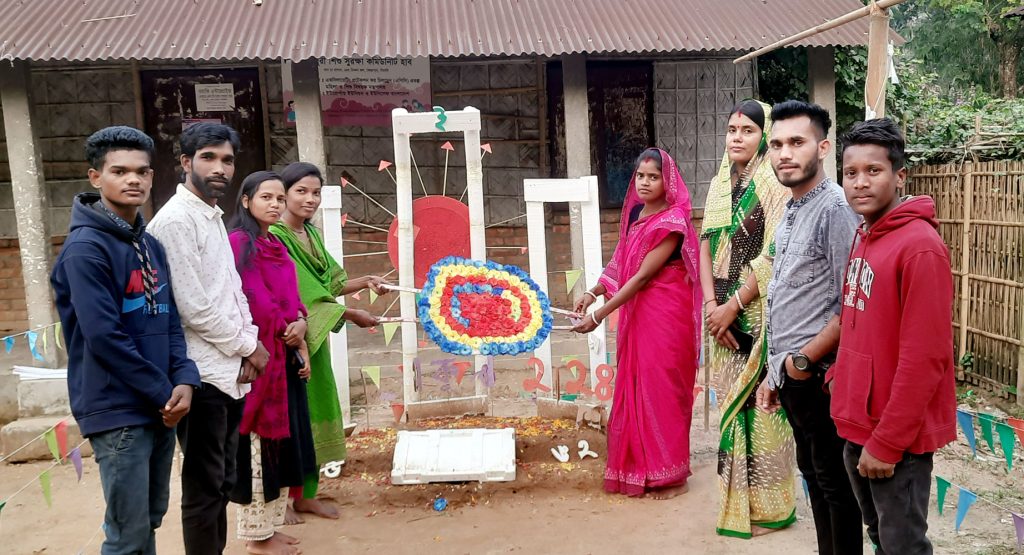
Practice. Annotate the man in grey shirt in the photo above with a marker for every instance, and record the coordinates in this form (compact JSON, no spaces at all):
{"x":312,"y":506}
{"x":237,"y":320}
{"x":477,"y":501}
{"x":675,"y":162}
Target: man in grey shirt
{"x":812,"y":245}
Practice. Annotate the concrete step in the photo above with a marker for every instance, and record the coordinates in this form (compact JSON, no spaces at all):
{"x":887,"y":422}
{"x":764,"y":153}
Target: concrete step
{"x":25,"y":431}
{"x":47,"y":397}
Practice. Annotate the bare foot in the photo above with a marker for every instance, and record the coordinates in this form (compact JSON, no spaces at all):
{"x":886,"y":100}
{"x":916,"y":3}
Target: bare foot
{"x":291,"y":517}
{"x":290,"y":540}
{"x":271,"y":546}
{"x":756,"y":530}
{"x":669,"y":493}
{"x":316,"y":507}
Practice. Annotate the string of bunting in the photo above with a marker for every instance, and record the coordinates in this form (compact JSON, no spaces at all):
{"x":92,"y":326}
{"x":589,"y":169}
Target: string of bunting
{"x":966,"y":498}
{"x":1006,"y":427}
{"x":61,"y":455}
{"x":33,"y":338}
{"x":58,"y":430}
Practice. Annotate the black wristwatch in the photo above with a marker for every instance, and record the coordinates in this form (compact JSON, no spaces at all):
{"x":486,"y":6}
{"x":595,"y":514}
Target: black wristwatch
{"x":801,"y":362}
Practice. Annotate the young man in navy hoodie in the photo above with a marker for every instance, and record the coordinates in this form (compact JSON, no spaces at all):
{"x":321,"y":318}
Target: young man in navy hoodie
{"x":129,"y":377}
{"x":893,"y":388}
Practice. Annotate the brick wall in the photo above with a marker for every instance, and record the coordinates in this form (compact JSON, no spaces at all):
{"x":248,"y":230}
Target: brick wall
{"x":13,"y":314}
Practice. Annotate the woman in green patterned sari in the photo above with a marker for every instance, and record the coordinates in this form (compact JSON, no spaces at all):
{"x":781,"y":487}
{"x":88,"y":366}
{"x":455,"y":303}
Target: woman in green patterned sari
{"x":756,"y":456}
{"x":321,"y":281}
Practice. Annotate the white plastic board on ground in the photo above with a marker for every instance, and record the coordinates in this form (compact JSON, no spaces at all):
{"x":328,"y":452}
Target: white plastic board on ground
{"x":455,"y":456}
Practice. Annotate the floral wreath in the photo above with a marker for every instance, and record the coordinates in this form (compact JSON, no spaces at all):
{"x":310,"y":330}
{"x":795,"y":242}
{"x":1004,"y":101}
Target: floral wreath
{"x":472,"y":307}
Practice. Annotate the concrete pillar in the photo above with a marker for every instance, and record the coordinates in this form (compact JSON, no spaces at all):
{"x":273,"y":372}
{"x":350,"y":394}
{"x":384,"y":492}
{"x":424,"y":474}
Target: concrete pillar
{"x":577,"y":148}
{"x":309,"y":127}
{"x":31,"y":207}
{"x":821,"y":90}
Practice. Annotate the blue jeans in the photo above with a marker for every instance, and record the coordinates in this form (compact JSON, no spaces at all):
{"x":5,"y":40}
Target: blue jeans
{"x":135,"y":470}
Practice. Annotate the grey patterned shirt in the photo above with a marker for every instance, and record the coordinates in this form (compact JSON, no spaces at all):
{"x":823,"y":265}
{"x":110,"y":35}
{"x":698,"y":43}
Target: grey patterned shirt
{"x":812,"y":246}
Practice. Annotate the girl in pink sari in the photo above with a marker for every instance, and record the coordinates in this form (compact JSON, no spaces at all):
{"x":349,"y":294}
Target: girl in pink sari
{"x":653,"y":277}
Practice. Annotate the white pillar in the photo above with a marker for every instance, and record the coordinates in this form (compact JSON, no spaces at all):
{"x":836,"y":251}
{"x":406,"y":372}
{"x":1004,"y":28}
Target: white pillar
{"x":309,"y":128}
{"x":31,"y":207}
{"x":577,"y":147}
{"x":331,"y":210}
{"x":821,"y":89}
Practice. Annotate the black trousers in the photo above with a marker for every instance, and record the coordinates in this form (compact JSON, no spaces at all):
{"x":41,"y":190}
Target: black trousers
{"x":208,"y":435}
{"x":895,"y":509}
{"x":819,"y":455}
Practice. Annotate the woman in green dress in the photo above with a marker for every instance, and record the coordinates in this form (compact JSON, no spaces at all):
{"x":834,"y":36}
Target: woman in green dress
{"x":756,"y":451}
{"x":321,"y":281}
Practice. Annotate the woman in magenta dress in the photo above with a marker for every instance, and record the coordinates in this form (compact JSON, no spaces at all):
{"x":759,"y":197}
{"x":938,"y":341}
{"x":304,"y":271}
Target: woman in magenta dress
{"x":653,"y":278}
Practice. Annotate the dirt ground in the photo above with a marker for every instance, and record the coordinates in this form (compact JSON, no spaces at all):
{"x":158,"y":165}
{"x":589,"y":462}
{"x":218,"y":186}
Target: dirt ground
{"x":550,"y":506}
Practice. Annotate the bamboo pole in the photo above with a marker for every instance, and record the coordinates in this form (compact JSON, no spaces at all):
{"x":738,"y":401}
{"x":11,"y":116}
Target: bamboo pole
{"x":828,"y":25}
{"x":1020,"y":356}
{"x":878,"y":63}
{"x":965,"y":261}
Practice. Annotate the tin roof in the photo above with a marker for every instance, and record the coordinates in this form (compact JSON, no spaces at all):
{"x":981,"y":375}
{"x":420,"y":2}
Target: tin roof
{"x":82,"y":30}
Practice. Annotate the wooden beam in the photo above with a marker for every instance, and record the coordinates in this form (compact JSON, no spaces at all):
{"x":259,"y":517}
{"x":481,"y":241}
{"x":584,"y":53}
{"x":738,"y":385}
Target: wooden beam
{"x":828,"y":25}
{"x":821,"y":89}
{"x":878,"y":64}
{"x":577,"y":149}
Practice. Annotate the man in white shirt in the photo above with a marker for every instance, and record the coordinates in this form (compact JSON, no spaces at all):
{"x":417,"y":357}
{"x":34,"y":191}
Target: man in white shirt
{"x":219,"y":332}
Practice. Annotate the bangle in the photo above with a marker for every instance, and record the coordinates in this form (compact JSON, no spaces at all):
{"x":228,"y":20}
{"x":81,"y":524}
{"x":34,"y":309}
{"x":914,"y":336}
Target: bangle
{"x":739,"y":302}
{"x":591,"y":293}
{"x":594,"y":318}
{"x":303,"y":318}
{"x":709,"y":301}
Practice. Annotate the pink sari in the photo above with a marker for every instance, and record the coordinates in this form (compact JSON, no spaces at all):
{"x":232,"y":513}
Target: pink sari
{"x":658,"y":347}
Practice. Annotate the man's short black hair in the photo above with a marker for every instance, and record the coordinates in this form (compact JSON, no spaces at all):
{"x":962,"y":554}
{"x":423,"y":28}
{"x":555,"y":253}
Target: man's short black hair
{"x":795,"y":108}
{"x":202,"y":135}
{"x":118,"y":137}
{"x":882,"y":132}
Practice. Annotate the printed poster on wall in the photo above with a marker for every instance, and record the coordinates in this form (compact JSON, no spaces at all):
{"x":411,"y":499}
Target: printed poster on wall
{"x":363,"y":91}
{"x":215,"y":97}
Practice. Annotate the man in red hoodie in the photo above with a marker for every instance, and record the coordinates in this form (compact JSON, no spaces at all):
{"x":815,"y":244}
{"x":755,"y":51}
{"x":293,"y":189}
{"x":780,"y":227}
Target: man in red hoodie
{"x":893,"y":396}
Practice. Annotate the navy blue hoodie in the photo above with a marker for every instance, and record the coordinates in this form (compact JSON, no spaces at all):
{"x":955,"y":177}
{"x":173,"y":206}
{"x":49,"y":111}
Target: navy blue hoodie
{"x":123,"y":360}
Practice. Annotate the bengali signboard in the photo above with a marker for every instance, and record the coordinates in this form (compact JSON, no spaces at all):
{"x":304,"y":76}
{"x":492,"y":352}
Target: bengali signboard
{"x":363,"y":91}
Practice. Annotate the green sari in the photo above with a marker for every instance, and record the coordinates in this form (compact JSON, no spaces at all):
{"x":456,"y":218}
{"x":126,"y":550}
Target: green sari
{"x":756,"y":455}
{"x":321,"y":281}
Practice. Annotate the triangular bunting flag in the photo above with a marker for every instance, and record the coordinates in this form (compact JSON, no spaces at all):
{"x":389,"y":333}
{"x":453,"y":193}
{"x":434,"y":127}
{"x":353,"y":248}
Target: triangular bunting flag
{"x":51,"y":443}
{"x":8,"y":344}
{"x":389,"y":331}
{"x":566,"y":360}
{"x":447,"y":146}
{"x":966,"y":422}
{"x":384,"y":164}
{"x":398,"y":409}
{"x":44,"y":482}
{"x":1018,"y":523}
{"x":346,"y":182}
{"x":807,"y":491}
{"x":1018,"y":426}
{"x":1006,"y":440}
{"x":76,"y":459}
{"x":941,"y":486}
{"x":32,"y":337}
{"x":344,"y":219}
{"x":713,"y":397}
{"x":460,"y":370}
{"x":571,"y":277}
{"x":374,"y":373}
{"x":696,"y":390}
{"x":963,"y":504}
{"x":2,"y":505}
{"x":357,"y":296}
{"x":56,"y":335}
{"x":373,"y":297}
{"x":522,"y":250}
{"x":986,"y":429}
{"x":61,"y":431}
{"x":486,"y":147}
{"x":46,"y":342}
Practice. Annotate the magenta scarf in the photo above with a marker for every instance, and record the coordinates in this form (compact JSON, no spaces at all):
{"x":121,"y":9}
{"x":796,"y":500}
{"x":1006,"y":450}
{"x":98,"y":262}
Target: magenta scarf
{"x":271,"y":287}
{"x":650,"y":231}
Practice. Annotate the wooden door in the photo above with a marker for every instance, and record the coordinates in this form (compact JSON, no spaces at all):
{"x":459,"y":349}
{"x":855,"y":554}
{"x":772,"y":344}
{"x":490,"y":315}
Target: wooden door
{"x":173,"y":101}
{"x":621,"y":122}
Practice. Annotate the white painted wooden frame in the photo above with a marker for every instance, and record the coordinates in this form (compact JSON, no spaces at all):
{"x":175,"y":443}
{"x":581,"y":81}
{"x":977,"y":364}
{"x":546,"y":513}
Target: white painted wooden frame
{"x":330,"y":209}
{"x":405,"y":124}
{"x":582,"y":191}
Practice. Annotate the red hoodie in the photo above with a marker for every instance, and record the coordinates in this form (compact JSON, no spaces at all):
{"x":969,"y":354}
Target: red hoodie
{"x":893,"y":385}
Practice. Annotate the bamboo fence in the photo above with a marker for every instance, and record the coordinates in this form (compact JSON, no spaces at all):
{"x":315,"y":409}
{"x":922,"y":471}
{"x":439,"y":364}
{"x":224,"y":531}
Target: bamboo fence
{"x":980,"y":208}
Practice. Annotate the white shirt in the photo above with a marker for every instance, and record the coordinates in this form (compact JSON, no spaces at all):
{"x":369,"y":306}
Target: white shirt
{"x":207,"y":290}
